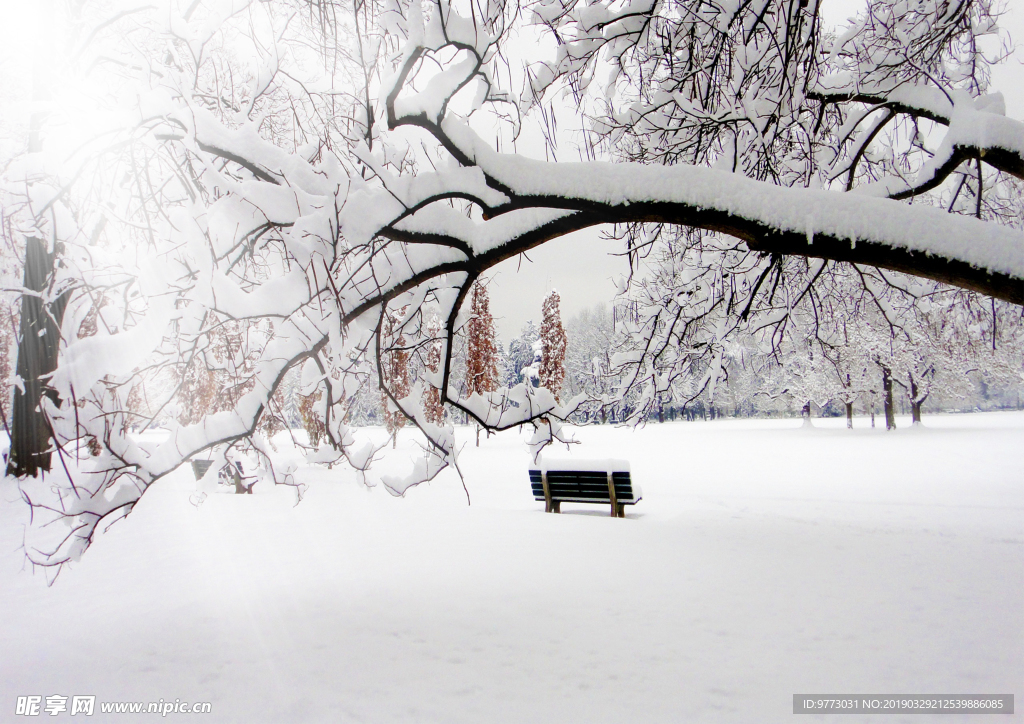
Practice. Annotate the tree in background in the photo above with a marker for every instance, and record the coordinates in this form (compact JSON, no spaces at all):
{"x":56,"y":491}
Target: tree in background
{"x":199,"y":393}
{"x":520,"y":353}
{"x":481,"y":347}
{"x":433,"y":408}
{"x":590,"y":342}
{"x":42,"y":311}
{"x":219,"y":374}
{"x":8,"y":353}
{"x":394,"y":374}
{"x":553,"y":343}
{"x":312,"y":422}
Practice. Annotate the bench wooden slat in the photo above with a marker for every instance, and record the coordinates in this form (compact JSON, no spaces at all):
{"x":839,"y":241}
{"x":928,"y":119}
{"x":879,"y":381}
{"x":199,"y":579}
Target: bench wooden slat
{"x":583,"y":484}
{"x":622,"y":492}
{"x":585,"y":474}
{"x":591,"y":484}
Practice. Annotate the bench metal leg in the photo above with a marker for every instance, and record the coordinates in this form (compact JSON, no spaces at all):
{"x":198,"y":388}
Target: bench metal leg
{"x":556,"y":506}
{"x":622,"y":510}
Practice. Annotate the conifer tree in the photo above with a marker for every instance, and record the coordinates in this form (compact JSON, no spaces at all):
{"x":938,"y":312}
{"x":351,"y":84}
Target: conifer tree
{"x":520,"y":354}
{"x":553,"y":343}
{"x":482,"y":352}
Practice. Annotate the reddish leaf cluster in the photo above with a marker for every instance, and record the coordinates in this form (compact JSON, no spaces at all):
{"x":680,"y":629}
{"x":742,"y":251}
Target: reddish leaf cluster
{"x":217,"y":377}
{"x":394,"y":371}
{"x":311,"y":421}
{"x":433,"y":409}
{"x":90,"y":324}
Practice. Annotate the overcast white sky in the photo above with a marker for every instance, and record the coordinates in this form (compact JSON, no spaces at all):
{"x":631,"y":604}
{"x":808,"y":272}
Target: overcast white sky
{"x":582,"y":266}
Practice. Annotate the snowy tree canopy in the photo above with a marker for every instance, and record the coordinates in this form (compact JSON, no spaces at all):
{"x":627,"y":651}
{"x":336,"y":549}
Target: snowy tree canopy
{"x":328,"y":177}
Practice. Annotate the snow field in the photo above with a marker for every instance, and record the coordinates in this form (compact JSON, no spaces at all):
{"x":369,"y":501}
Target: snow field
{"x":764,"y":561}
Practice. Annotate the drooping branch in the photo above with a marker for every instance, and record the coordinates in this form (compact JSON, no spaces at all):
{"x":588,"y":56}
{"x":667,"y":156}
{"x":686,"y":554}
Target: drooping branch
{"x":976,"y":127}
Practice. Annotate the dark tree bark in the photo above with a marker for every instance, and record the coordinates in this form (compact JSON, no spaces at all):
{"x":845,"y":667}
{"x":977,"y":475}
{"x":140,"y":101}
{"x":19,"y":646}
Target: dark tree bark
{"x":37,"y":359}
{"x":890,"y":411}
{"x":849,"y":415}
{"x":915,"y":403}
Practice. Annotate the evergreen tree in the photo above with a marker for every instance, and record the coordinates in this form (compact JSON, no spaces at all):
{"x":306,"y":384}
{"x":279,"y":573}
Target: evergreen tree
{"x":520,"y":353}
{"x":553,"y":342}
{"x":482,"y":349}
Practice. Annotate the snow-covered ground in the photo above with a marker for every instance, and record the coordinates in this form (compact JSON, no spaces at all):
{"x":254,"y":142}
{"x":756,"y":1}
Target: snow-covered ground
{"x":764,"y":561}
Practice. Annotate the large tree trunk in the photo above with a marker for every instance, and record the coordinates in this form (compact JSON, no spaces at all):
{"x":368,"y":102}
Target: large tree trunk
{"x":915,"y":403}
{"x":37,"y":359}
{"x":849,"y":415}
{"x":890,"y":411}
{"x":39,"y":329}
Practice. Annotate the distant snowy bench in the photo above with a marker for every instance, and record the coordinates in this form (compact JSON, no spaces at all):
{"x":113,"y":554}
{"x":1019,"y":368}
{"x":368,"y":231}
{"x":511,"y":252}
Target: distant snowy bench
{"x":604,"y":482}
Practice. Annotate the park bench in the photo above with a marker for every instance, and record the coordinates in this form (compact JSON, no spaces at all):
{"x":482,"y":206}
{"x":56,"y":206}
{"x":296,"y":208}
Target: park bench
{"x":604,"y":482}
{"x":226,"y":474}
